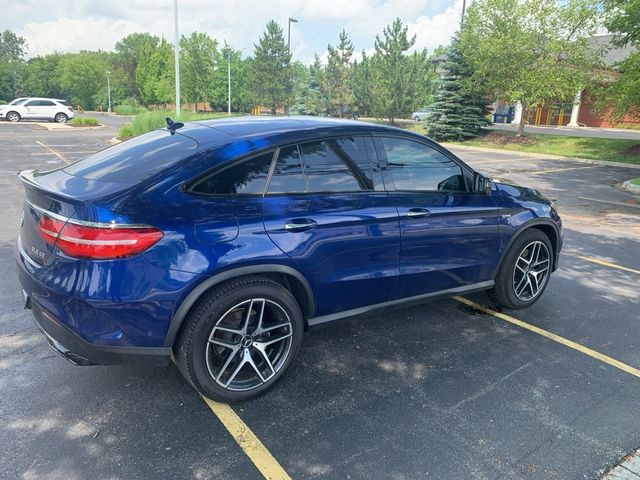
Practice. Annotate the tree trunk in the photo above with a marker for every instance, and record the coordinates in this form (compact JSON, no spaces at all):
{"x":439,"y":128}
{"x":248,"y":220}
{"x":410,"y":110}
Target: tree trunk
{"x":523,"y":118}
{"x":273,"y":110}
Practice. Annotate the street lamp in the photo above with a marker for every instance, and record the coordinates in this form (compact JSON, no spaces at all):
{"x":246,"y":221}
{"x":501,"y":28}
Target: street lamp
{"x":177,"y":52}
{"x":464,"y":7}
{"x":291,"y":20}
{"x":109,"y":90}
{"x":228,"y":77}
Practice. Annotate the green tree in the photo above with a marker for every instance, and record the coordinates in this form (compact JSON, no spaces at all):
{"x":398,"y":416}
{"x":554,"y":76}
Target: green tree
{"x":199,"y":56}
{"x":362,"y":82}
{"x":81,"y":75}
{"x":12,"y":51}
{"x":622,"y":96}
{"x":337,"y":76}
{"x":131,"y":50}
{"x":271,"y":68}
{"x":426,"y":79}
{"x":459,"y":110}
{"x":394,"y":73}
{"x":40,"y":79}
{"x":531,"y":51}
{"x":155,"y":75}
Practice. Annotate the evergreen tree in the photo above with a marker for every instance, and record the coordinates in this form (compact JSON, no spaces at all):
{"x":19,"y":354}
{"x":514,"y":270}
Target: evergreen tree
{"x":308,"y":98}
{"x":362,"y":85}
{"x":271,"y":68}
{"x":394,"y":73}
{"x":337,"y":76}
{"x":459,"y":110}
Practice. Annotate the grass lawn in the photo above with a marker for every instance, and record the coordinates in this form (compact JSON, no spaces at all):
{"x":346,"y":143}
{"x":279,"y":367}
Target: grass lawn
{"x":612,"y":150}
{"x":146,"y":121}
{"x":636,"y":181}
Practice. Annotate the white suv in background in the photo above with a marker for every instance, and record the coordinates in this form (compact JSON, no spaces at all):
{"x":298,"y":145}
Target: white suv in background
{"x":35,"y":108}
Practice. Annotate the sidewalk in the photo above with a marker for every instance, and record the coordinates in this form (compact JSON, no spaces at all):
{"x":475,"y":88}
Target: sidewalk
{"x":615,"y":133}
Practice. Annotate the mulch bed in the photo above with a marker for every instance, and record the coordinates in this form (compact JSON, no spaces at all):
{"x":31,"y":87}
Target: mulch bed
{"x":499,"y":139}
{"x":633,"y":150}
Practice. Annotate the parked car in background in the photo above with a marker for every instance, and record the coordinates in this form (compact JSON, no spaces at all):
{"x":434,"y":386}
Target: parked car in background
{"x":16,"y":101}
{"x":35,"y":108}
{"x":421,"y":114}
{"x":221,"y":242}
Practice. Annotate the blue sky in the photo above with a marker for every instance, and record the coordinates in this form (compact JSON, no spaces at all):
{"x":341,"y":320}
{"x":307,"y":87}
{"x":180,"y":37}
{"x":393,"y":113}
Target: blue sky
{"x":73,"y":25}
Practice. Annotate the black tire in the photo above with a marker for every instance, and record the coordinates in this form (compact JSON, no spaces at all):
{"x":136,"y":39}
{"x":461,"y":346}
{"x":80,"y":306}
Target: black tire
{"x":504,"y":292}
{"x":195,"y":354}
{"x":416,"y":118}
{"x":60,"y":118}
{"x":13,"y":116}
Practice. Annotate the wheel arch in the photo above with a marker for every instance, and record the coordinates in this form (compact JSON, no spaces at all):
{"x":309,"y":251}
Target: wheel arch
{"x":546,"y":226}
{"x":288,"y":277}
{"x":13,"y":111}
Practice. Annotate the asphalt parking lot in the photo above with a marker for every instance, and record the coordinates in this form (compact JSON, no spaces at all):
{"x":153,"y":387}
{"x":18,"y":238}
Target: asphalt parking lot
{"x":444,"y":390}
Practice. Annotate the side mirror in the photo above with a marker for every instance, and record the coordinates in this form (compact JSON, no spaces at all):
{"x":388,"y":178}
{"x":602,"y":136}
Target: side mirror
{"x":481,"y":184}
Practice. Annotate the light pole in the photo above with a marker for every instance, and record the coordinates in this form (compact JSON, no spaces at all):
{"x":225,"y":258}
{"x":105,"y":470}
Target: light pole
{"x":291,"y":20}
{"x":177,"y":52}
{"x":109,"y":90}
{"x":464,"y":5}
{"x":228,"y":77}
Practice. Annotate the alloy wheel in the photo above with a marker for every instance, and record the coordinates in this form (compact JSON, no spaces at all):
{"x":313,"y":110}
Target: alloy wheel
{"x":531,"y":271}
{"x":249,"y":344}
{"x":13,"y":117}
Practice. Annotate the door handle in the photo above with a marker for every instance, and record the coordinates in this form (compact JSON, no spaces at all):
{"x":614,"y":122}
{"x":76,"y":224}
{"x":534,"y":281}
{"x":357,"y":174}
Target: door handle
{"x":299,"y":225}
{"x":418,"y":213}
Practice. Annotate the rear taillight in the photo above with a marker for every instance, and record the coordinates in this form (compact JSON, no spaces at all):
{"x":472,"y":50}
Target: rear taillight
{"x":97,"y":242}
{"x":70,"y":109}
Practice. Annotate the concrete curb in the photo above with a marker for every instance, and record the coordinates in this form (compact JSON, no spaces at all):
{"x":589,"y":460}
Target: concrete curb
{"x":630,"y":187}
{"x":542,"y":155}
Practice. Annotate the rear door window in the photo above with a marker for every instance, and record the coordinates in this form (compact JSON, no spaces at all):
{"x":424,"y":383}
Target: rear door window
{"x":244,"y":177}
{"x":288,"y":176}
{"x":337,"y":165}
{"x":136,"y":159}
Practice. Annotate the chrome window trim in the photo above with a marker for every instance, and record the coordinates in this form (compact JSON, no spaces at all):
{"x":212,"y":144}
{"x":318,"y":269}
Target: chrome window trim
{"x":85,"y":223}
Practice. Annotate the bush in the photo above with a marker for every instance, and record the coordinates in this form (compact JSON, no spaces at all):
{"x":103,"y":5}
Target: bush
{"x":152,"y":120}
{"x":84,"y":122}
{"x":126,"y":131}
{"x":129,"y":109}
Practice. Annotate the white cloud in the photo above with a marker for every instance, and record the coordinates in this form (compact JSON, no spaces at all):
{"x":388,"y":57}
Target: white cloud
{"x":73,"y":25}
{"x":71,"y":35}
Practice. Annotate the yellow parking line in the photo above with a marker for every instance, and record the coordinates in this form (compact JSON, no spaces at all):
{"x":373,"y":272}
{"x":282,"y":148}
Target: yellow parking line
{"x":605,"y":263}
{"x":551,"y":170}
{"x":252,"y":446}
{"x":55,"y":152}
{"x":552,"y":336}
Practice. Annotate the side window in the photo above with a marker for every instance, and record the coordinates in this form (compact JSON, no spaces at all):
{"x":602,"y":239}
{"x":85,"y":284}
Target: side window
{"x":32,"y":103}
{"x":46,"y":103}
{"x":337,"y":165}
{"x":418,"y":167}
{"x":287,"y":176}
{"x":246,"y":177}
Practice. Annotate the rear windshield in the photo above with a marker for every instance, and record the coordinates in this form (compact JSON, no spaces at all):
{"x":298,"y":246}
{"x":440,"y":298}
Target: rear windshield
{"x":136,"y":159}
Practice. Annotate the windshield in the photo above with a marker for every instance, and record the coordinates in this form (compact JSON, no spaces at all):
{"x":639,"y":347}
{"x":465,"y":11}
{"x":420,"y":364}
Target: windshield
{"x":18,"y":101}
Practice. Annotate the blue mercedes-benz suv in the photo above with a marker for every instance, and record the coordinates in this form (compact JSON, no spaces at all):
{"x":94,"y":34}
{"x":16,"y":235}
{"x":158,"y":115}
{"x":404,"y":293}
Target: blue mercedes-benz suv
{"x":221,"y":242}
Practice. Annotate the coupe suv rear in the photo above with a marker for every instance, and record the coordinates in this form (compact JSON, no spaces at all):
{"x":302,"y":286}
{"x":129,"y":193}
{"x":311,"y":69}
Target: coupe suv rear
{"x":223,"y":241}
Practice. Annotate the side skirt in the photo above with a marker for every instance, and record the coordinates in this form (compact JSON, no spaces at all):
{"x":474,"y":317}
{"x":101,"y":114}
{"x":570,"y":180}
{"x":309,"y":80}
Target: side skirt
{"x":400,"y":303}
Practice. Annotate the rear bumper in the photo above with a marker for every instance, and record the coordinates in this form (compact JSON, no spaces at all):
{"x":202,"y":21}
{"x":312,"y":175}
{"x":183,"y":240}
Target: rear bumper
{"x":80,"y":352}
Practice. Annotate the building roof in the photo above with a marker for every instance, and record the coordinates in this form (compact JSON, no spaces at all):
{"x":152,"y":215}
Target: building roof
{"x":611,"y":54}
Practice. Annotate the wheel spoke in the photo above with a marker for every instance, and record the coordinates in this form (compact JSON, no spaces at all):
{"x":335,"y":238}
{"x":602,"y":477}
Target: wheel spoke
{"x":271,"y":328}
{"x":224,"y":367}
{"x":222,"y":342}
{"x":232,"y":377}
{"x":254,"y":366}
{"x":263,"y":303}
{"x":272,"y":340}
{"x":262,"y":350}
{"x":228,"y":330}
